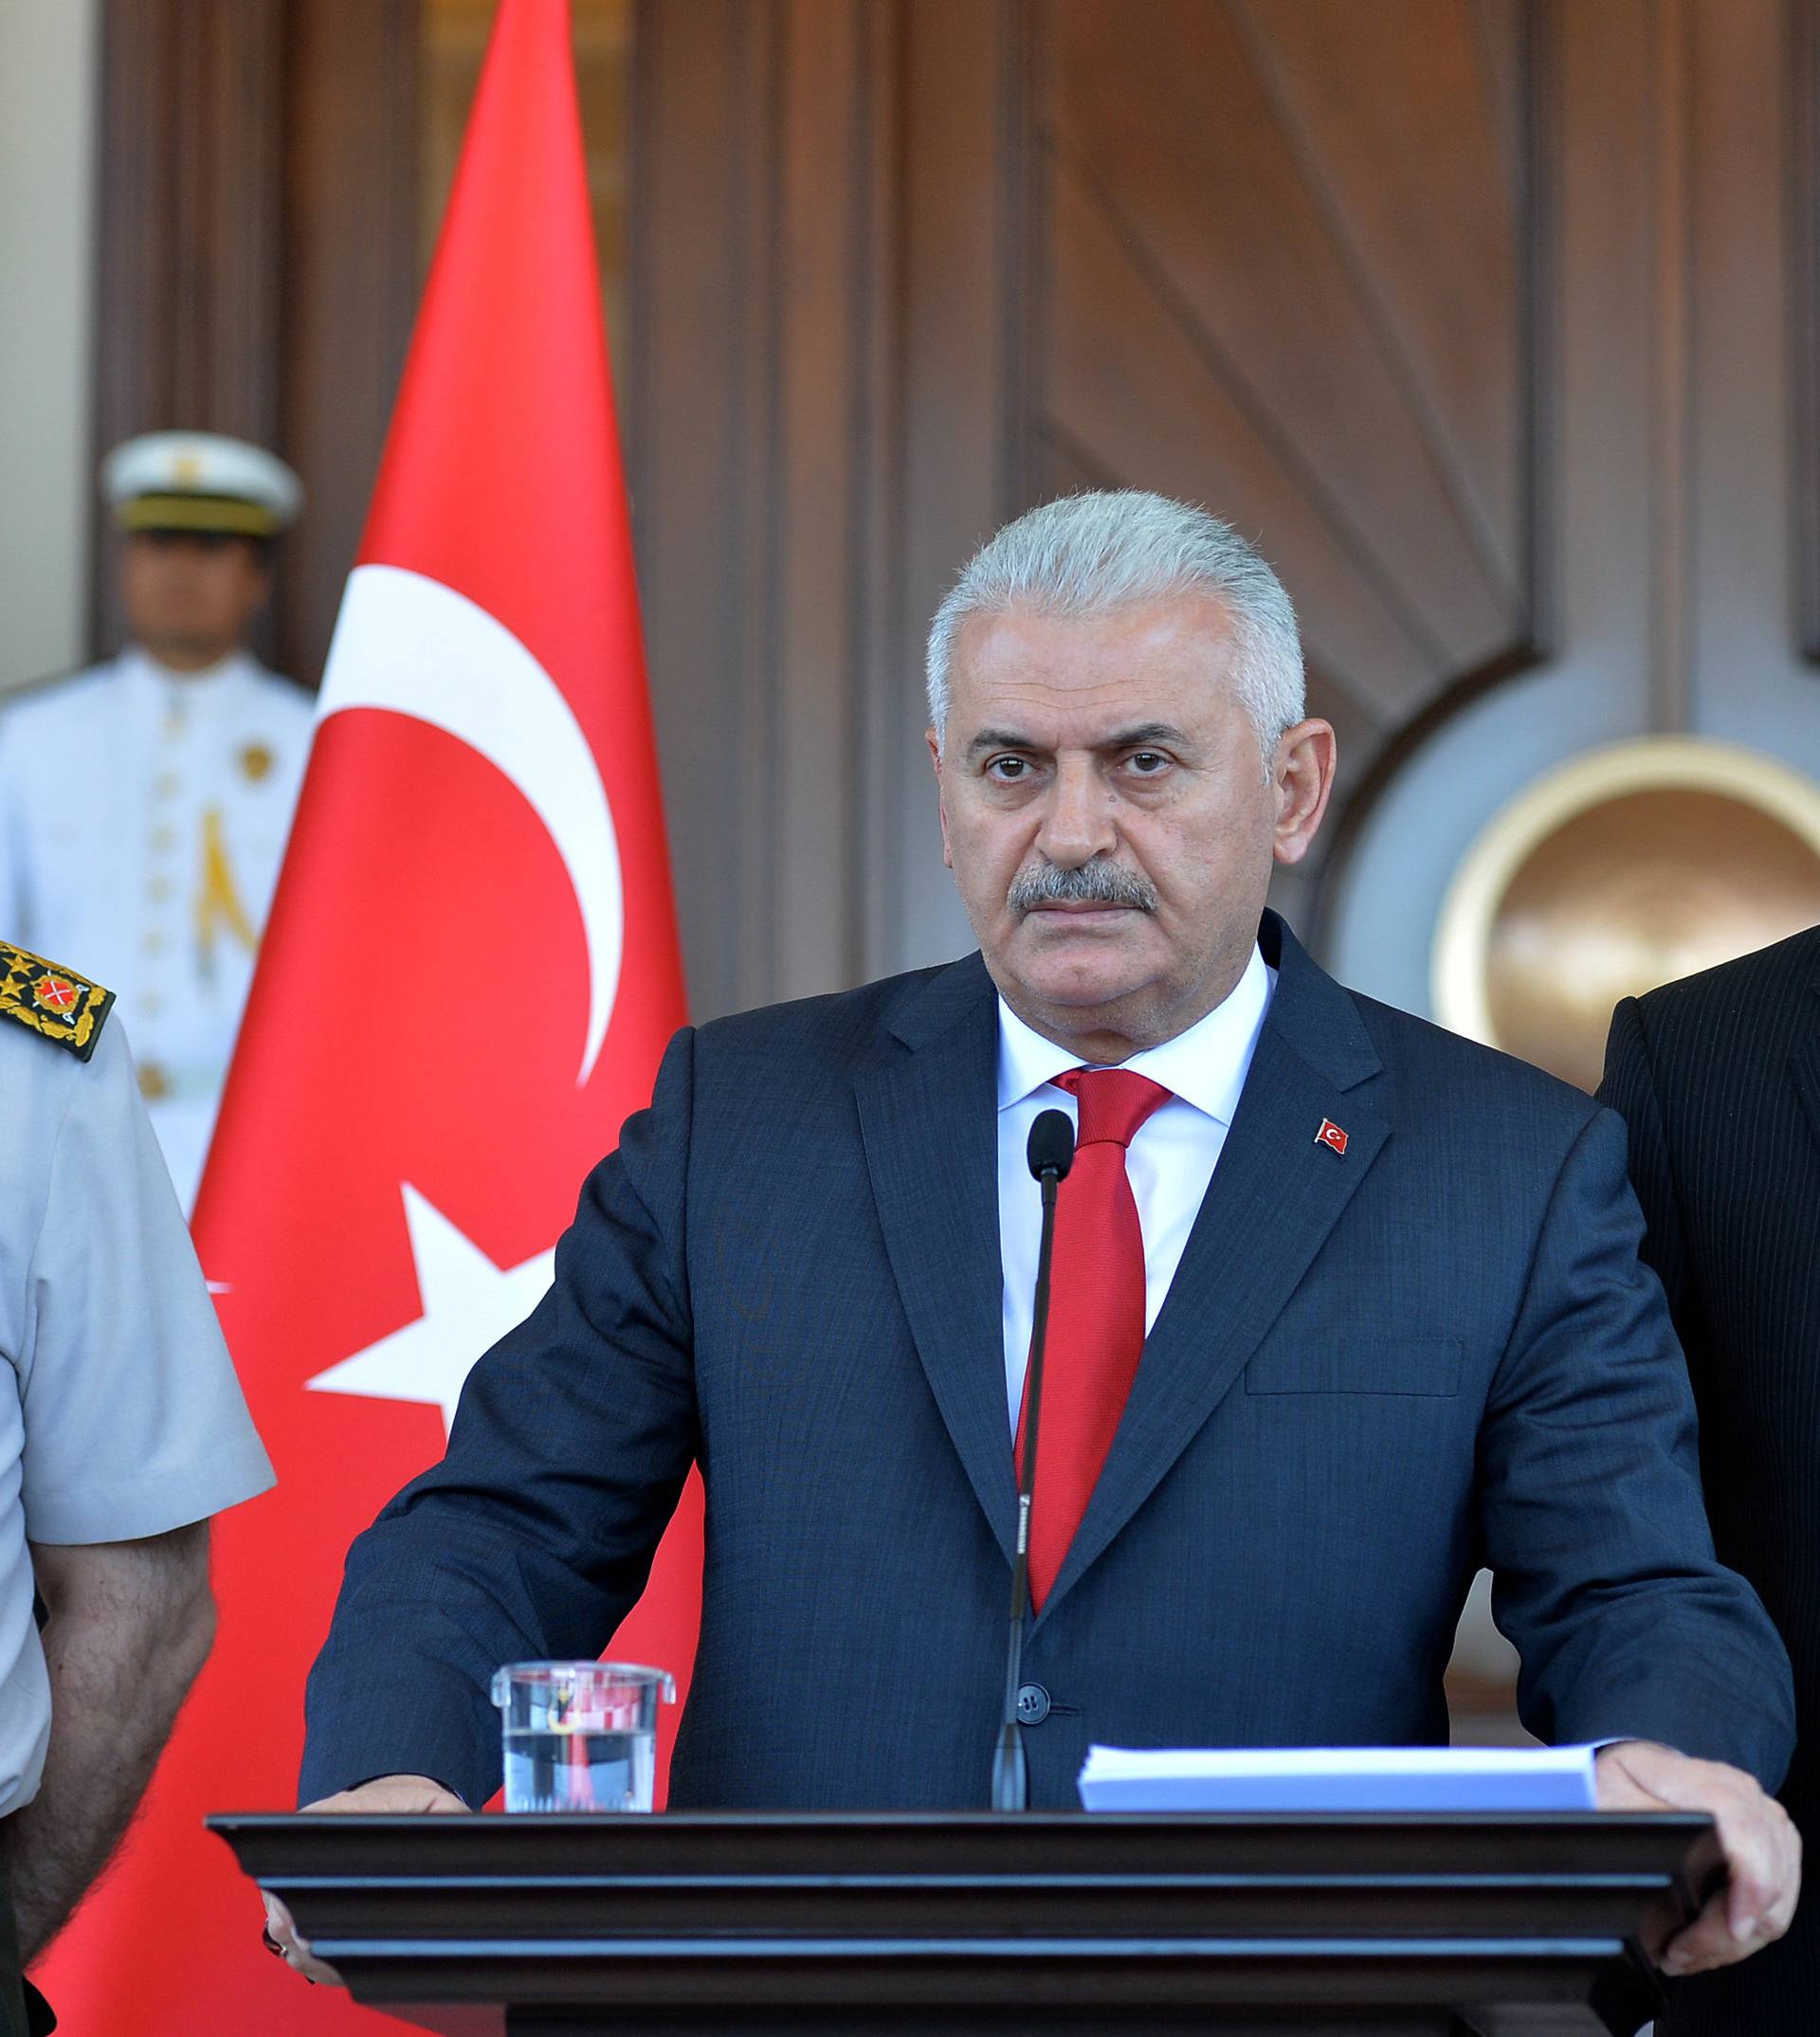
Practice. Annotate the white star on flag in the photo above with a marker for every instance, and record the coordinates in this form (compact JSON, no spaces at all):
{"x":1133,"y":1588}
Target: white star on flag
{"x":468,"y":1304}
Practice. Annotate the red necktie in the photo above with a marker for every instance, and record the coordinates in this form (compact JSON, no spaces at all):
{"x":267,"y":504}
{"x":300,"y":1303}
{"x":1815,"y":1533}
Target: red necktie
{"x":1096,"y":1311}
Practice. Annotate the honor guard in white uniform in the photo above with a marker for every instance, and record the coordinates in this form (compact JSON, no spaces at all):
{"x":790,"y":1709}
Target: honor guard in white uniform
{"x":121,"y":1431}
{"x":145,"y":803}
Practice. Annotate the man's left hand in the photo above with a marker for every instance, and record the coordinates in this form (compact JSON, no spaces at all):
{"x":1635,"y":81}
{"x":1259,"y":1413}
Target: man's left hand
{"x":1761,"y":1846}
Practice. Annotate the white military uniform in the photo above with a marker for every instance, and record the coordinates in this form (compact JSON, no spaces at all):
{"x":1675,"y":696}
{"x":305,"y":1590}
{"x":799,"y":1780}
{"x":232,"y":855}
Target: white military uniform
{"x":119,"y":1414}
{"x":143,"y":812}
{"x":143,"y":815}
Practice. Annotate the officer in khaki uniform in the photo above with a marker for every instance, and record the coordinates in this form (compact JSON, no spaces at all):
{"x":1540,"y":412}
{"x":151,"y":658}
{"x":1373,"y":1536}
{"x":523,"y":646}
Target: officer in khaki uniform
{"x":145,"y":803}
{"x":121,"y":1431}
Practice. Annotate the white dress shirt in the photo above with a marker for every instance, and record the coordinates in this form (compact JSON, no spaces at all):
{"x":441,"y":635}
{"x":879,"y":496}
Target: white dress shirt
{"x":1169,"y":1163}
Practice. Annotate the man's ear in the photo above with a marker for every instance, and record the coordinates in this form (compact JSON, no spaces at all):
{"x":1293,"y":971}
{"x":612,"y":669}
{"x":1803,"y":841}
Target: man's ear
{"x":941,"y":795}
{"x":1303,"y":781}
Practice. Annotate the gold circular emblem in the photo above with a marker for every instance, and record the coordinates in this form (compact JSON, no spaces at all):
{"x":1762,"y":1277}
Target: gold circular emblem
{"x":255,"y":762}
{"x":154,"y":1083}
{"x":1624,"y":869}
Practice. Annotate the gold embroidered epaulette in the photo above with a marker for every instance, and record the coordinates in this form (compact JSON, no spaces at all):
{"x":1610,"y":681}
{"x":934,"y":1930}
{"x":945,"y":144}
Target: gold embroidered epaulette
{"x":52,"y":1000}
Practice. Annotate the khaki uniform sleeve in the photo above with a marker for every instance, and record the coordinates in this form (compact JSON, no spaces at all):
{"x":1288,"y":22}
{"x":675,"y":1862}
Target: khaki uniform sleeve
{"x":134,"y":1422}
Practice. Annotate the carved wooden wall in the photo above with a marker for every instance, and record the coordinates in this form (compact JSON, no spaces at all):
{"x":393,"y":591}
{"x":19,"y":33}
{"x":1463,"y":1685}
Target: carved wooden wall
{"x":257,"y":256}
{"x":349,"y":264}
{"x":759,"y":430}
{"x":1285,"y":257}
{"x":901,"y":267}
{"x":1678,"y":510}
{"x":1288,"y":275}
{"x":191,"y":208}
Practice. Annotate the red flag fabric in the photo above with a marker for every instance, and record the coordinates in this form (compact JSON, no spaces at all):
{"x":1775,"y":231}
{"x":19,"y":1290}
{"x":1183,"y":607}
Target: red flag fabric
{"x":470,"y":971}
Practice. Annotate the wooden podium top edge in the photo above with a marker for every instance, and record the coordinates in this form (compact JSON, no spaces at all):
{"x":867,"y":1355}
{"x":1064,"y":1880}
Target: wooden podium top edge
{"x":1654,"y":1821}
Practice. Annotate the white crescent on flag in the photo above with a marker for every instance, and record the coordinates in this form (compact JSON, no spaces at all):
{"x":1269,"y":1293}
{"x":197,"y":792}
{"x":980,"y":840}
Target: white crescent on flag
{"x":502,"y":488}
{"x":407,"y":644}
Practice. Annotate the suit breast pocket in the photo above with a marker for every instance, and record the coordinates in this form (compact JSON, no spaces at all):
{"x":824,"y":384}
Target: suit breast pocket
{"x":1427,"y":1365}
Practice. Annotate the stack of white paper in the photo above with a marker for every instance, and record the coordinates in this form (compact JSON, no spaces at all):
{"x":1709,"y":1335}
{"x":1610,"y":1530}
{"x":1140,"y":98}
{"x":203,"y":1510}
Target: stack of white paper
{"x":1339,"y":1778}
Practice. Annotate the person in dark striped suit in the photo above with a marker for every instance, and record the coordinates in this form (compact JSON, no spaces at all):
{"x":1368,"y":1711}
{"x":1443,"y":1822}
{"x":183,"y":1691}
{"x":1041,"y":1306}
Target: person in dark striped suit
{"x":1719,"y":1081}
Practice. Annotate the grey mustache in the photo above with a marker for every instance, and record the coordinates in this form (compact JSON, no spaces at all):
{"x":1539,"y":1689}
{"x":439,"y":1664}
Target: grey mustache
{"x":1097,"y":882}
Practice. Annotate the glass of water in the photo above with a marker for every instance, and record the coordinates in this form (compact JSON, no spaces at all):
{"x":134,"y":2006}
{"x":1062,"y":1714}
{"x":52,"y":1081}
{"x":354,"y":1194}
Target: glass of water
{"x":580,"y":1735}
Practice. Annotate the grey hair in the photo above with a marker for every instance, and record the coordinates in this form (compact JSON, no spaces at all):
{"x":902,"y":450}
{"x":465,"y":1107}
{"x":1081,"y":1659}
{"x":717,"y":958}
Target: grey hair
{"x":1090,"y":555}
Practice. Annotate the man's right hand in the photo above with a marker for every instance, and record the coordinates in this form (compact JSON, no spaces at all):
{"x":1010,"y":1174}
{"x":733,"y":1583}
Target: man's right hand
{"x":398,"y":1795}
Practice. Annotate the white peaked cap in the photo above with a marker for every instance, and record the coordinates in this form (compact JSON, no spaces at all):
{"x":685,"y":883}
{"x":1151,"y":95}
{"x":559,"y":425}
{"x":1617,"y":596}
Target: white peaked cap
{"x":197,"y":480}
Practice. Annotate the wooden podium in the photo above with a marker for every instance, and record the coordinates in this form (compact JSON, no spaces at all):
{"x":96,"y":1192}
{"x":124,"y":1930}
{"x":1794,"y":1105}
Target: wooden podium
{"x":689,"y":1923}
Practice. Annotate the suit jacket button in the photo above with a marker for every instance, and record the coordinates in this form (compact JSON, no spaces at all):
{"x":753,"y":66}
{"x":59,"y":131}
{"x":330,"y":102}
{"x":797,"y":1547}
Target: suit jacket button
{"x":1032,"y":1705}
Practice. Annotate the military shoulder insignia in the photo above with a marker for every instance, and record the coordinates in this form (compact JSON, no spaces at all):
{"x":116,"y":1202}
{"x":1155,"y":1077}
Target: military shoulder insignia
{"x":54,"y":1001}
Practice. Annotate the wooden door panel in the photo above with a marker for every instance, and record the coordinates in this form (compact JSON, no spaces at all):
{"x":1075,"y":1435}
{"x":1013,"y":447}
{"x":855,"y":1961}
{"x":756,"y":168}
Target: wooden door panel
{"x":350,"y":281}
{"x":1218,"y":188}
{"x":1395,"y":117}
{"x":190,"y":196}
{"x":900,"y":269}
{"x":1140,"y":397}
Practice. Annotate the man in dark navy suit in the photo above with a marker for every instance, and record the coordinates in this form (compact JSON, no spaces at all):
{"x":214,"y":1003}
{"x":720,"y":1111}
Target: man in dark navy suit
{"x":1344,"y":1307}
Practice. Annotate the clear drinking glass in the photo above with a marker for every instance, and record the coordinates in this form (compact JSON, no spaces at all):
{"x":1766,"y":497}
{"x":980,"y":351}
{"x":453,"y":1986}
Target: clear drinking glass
{"x":580,"y":1735}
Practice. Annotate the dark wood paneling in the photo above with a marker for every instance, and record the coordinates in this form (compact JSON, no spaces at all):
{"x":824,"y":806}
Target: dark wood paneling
{"x":761,"y":427}
{"x":258,"y":261}
{"x":1398,"y":119}
{"x":1751,"y":355}
{"x":881,"y":675}
{"x":1519,"y":51}
{"x":190,"y":207}
{"x":900,"y":269}
{"x":820,"y":500}
{"x":349,"y":278}
{"x":1182,"y":246}
{"x":705,"y":85}
{"x":971,"y":452}
{"x":269,"y":289}
{"x":1137,"y":395}
{"x":1255,"y":210}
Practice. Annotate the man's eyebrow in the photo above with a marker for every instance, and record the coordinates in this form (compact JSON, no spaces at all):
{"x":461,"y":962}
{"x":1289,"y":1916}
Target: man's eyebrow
{"x":1146,"y":731}
{"x":1132,"y":738}
{"x":999,"y":739}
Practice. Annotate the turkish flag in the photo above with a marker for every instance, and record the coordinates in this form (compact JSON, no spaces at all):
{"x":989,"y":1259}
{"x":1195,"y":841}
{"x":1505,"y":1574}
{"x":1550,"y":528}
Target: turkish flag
{"x":469,"y":974}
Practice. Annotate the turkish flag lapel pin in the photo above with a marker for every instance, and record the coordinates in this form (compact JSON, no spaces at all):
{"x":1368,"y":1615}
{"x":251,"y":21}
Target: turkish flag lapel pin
{"x":1331,"y":1135}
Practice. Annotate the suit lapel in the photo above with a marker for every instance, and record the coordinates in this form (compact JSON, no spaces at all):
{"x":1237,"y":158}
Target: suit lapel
{"x":1275,"y":1196}
{"x":930,"y":1124}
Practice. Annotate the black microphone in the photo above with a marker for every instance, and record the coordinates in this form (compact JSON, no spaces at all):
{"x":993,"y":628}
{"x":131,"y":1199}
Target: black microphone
{"x":1050,"y":1154}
